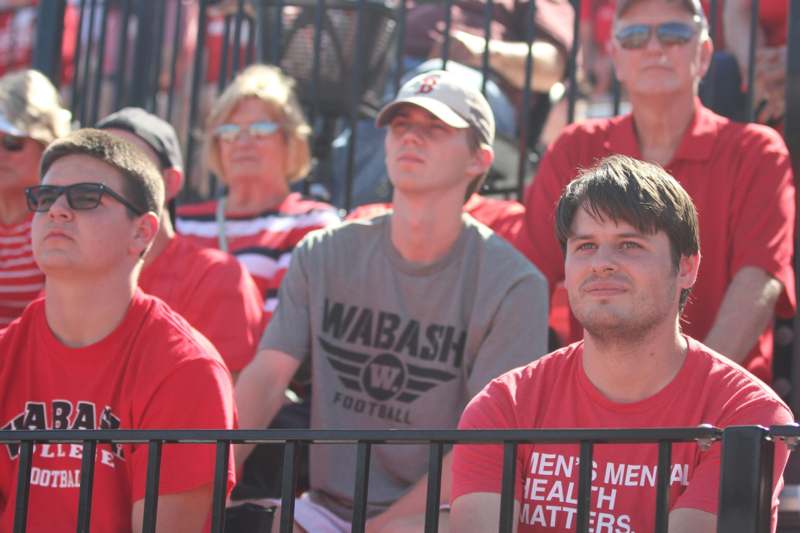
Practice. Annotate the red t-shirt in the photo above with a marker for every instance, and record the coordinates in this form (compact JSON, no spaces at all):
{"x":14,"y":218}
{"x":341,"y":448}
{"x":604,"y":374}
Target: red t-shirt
{"x":20,"y":277}
{"x":554,"y":392}
{"x":263,"y":243}
{"x":152,"y":372}
{"x":740,"y":179}
{"x":213,"y":292}
{"x":505,"y":217}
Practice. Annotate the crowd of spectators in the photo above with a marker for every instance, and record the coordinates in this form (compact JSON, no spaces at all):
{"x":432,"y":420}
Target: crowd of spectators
{"x":669,"y":231}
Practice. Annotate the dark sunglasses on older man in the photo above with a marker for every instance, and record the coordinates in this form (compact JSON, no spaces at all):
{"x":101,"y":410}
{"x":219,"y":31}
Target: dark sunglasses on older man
{"x":637,"y":36}
{"x":80,"y":196}
{"x":12,"y":143}
{"x":257,"y":130}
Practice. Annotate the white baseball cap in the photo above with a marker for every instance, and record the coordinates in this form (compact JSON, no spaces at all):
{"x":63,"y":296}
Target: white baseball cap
{"x":448,"y":98}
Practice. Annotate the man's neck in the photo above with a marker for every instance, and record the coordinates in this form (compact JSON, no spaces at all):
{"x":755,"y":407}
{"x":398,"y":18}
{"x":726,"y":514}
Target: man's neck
{"x":165,"y":234}
{"x":83,"y":313}
{"x":252,"y":197}
{"x":13,"y":207}
{"x":629,"y":370}
{"x":424,"y":227}
{"x":661,"y":123}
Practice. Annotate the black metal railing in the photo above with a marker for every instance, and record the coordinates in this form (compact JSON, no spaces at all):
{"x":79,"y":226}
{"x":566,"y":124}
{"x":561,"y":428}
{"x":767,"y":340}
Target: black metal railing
{"x":745,"y":484}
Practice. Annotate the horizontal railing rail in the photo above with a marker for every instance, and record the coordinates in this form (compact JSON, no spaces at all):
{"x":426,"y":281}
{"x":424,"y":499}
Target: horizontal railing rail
{"x":746,"y":473}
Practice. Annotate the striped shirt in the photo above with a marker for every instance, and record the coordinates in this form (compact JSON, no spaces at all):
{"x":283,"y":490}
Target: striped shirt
{"x":263,"y":243}
{"x":21,"y":281}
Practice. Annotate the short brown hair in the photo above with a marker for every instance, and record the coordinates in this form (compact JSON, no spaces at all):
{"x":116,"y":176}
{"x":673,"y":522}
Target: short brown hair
{"x":142,"y":182}
{"x":642,"y":194}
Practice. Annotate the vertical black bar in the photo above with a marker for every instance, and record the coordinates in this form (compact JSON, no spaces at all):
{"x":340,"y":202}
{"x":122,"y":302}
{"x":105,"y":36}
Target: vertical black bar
{"x":176,"y":51}
{"x":616,"y":89}
{"x":49,"y":35}
{"x":142,"y":81}
{"x":712,"y":24}
{"x":401,"y":43}
{"x":572,"y":95}
{"x":448,"y":24}
{"x":288,"y":484}
{"x":220,"y":487}
{"x":87,"y":483}
{"x":277,"y":32}
{"x":197,"y":82}
{"x":355,"y":96}
{"x":151,"y":487}
{"x":791,"y":135}
{"x":507,"y":487}
{"x":751,"y":58}
{"x":745,"y":480}
{"x":222,"y":80}
{"x":251,"y":41}
{"x":319,"y":16}
{"x":434,"y":487}
{"x":158,"y":55}
{"x":362,"y":484}
{"x":524,"y":126}
{"x":23,"y":486}
{"x":584,"y":487}
{"x":76,"y":61}
{"x":662,"y":486}
{"x":122,"y":54}
{"x":98,"y":78}
{"x":87,"y":65}
{"x":237,"y":37}
{"x":488,"y":13}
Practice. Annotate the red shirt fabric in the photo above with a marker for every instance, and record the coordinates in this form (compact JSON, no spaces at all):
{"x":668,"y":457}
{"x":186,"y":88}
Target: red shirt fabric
{"x":154,"y":371}
{"x":263,"y":243}
{"x":555,"y":392}
{"x":20,"y":277}
{"x":505,"y":217}
{"x":740,"y":179}
{"x":213,"y":292}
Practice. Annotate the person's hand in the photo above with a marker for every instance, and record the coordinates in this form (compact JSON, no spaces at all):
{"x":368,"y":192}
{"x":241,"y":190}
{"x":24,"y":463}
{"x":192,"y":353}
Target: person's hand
{"x":769,"y":88}
{"x":465,"y":48}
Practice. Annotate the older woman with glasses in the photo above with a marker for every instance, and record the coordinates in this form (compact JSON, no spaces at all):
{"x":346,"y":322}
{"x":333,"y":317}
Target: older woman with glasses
{"x":31,"y":117}
{"x":257,"y":144}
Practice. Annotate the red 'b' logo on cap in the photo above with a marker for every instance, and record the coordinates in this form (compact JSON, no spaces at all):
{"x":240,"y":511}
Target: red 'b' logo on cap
{"x":427,"y":85}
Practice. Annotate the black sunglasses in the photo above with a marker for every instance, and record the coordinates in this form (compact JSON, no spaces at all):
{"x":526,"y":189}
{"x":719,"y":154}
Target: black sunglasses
{"x":80,"y":196}
{"x":13,"y":143}
{"x":637,"y":36}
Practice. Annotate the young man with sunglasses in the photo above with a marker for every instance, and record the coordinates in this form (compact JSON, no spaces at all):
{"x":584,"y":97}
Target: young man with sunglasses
{"x":404,"y":316}
{"x":630,"y":236}
{"x":31,"y":117}
{"x":739,"y":176}
{"x":208,"y":287}
{"x":98,"y":353}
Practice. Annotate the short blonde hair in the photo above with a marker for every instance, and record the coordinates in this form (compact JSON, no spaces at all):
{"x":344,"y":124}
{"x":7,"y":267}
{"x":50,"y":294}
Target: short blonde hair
{"x":271,"y":86}
{"x":31,"y":104}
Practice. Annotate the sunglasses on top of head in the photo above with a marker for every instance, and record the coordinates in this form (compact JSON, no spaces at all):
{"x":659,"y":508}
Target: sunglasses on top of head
{"x":12,"y":143}
{"x":636,"y":36}
{"x":257,"y":130}
{"x":80,"y":197}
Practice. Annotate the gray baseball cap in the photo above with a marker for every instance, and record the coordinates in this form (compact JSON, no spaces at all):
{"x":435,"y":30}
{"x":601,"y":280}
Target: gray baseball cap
{"x":448,"y":98}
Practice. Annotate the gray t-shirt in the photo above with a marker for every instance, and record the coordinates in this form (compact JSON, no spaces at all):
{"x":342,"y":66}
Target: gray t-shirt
{"x":395,"y":344}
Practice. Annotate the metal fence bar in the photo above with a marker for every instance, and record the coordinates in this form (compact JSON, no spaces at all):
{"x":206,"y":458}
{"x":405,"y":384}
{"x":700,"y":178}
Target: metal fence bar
{"x":173,"y":68}
{"x":363,"y":453}
{"x":151,"y":492}
{"x":197,"y":81}
{"x":76,"y":61}
{"x":791,"y":124}
{"x":288,"y":484}
{"x":122,"y":54}
{"x":434,"y":487}
{"x":662,"y":487}
{"x":355,"y":92}
{"x":508,"y":485}
{"x":572,"y":91}
{"x":49,"y":35}
{"x":98,"y":79}
{"x":237,"y":37}
{"x":488,"y":13}
{"x":401,"y":42}
{"x":220,"y":487}
{"x":87,"y":64}
{"x":751,"y":58}
{"x":743,"y":483}
{"x":23,"y":486}
{"x":158,"y":55}
{"x":448,"y":25}
{"x":222,"y":79}
{"x":527,"y":96}
{"x":87,"y":484}
{"x":584,"y":488}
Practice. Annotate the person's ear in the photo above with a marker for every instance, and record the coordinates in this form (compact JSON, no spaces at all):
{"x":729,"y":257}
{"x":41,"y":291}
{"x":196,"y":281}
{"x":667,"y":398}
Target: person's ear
{"x":145,"y":228}
{"x":706,"y":53}
{"x":688,"y":267}
{"x":481,"y":161}
{"x":173,"y":182}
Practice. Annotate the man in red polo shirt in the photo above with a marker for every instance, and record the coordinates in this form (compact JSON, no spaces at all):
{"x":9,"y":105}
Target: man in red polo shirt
{"x":738,"y":175}
{"x":208,"y":287}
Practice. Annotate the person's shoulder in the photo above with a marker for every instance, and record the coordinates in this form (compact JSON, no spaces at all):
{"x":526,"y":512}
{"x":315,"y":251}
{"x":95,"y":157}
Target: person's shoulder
{"x":197,"y":211}
{"x":588,"y":130}
{"x":546,"y":369}
{"x":747,"y":136}
{"x":497,"y":252}
{"x":22,"y":326}
{"x":297,"y":204}
{"x":343,"y":234}
{"x":203,"y":259}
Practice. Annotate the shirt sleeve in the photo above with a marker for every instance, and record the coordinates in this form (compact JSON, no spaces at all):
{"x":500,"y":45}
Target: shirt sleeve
{"x":517,"y":335}
{"x":236,"y":323}
{"x":479,"y":467}
{"x":763,"y":224}
{"x":289,"y":329}
{"x":197,"y":394}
